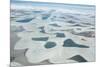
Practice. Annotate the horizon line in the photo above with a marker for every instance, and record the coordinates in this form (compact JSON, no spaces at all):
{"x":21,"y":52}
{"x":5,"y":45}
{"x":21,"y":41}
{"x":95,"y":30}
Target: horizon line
{"x":11,"y":1}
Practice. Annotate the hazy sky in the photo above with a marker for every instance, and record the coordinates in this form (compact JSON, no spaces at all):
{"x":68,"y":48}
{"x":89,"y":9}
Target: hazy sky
{"x":89,"y":2}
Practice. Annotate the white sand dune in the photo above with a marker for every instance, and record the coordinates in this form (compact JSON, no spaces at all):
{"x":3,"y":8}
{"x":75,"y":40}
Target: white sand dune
{"x":32,"y":33}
